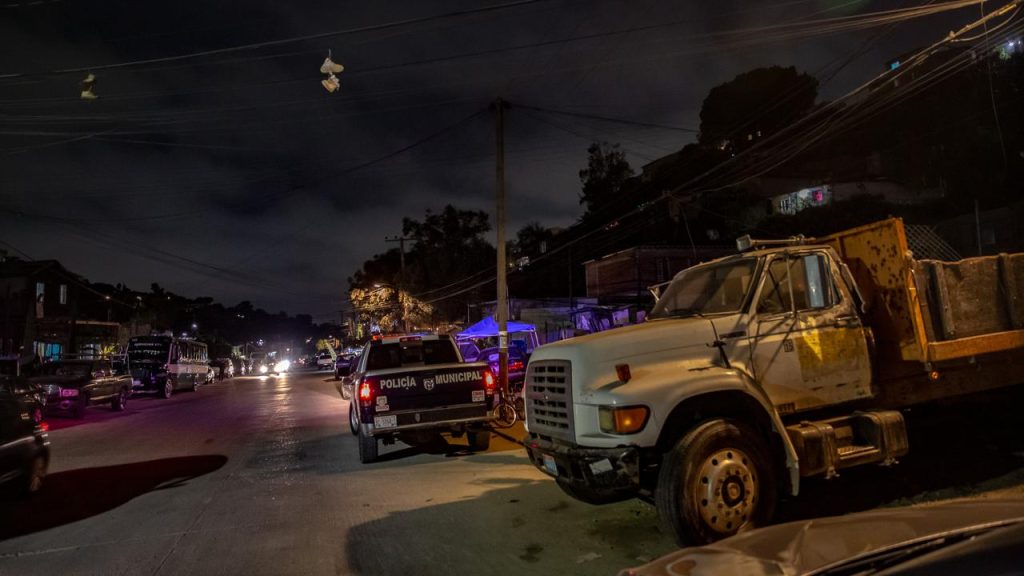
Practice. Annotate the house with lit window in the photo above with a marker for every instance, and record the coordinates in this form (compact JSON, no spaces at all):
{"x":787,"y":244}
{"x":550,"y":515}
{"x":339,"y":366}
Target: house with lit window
{"x":40,"y":311}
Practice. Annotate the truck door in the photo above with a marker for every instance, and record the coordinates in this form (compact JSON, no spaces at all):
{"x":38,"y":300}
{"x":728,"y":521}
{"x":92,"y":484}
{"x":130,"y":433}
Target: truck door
{"x":809,"y":348}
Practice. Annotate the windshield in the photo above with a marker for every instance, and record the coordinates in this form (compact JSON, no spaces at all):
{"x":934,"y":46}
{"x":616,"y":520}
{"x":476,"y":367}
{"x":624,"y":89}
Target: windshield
{"x":68,"y":369}
{"x":413,"y":353}
{"x":721,"y":288}
{"x":148,"y":350}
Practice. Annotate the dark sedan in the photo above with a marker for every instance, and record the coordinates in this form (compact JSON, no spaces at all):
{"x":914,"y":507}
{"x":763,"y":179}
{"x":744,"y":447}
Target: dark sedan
{"x":73,"y":385}
{"x":24,"y":446}
{"x":516,"y":365}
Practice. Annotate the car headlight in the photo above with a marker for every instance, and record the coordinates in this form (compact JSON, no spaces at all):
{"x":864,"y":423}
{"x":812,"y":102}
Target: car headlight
{"x":263,"y":368}
{"x":282,"y":366}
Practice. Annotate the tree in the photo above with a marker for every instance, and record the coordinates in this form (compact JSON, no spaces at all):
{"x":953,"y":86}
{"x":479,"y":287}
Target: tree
{"x":603,"y":178}
{"x":532,"y":240}
{"x":448,"y":246}
{"x":754,"y":105}
{"x":389,"y":309}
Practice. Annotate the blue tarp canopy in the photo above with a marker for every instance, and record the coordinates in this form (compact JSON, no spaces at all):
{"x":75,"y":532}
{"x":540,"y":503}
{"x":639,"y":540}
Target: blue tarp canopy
{"x":489,"y":327}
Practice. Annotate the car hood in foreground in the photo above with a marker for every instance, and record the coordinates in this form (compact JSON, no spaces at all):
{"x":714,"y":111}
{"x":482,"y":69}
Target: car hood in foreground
{"x":808,"y":545}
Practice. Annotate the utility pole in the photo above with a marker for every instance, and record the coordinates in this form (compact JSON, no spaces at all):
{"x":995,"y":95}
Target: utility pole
{"x":401,"y":274}
{"x":502,"y":304}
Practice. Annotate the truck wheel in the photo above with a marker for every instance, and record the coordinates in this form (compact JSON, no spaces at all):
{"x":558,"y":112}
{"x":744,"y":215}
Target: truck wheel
{"x":120,"y":401}
{"x":716,"y":481}
{"x":353,"y":418}
{"x":367,"y":448}
{"x":34,"y":474}
{"x":168,"y":390}
{"x":479,"y":441}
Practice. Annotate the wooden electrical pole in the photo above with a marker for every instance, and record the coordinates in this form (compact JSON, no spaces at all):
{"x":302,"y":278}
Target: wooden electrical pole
{"x":501,"y":312}
{"x":401,"y":274}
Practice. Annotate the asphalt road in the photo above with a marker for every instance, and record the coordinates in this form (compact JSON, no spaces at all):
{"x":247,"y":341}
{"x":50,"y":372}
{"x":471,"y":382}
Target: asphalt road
{"x":261,"y":476}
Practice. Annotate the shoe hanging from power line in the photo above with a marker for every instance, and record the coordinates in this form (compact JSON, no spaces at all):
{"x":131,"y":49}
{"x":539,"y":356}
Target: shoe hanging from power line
{"x":330,"y":67}
{"x":87,"y":85}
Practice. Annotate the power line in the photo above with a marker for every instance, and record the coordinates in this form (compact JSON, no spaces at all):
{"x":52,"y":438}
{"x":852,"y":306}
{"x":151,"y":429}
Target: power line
{"x":282,"y":41}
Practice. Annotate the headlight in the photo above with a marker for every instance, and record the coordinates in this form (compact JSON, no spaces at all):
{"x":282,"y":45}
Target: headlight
{"x":263,"y":368}
{"x":282,"y":366}
{"x":623,"y":420}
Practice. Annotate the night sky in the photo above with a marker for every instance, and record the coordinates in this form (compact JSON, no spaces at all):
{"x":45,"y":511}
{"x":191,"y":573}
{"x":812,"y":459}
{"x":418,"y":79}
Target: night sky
{"x":236,"y":175}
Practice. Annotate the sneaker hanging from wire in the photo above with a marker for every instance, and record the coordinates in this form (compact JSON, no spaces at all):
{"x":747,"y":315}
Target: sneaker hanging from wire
{"x":330,"y":67}
{"x":87,"y":85}
{"x":331,"y":83}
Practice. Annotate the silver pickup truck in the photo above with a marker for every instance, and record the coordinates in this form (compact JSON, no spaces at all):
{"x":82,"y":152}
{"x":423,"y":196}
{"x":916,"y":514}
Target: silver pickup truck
{"x":408,"y":386}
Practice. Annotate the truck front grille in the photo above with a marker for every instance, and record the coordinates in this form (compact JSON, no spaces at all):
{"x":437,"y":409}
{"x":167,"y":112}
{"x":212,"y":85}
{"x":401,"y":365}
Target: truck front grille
{"x":549,"y":399}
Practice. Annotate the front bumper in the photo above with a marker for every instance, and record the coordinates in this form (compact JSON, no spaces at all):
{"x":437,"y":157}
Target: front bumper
{"x":594,"y":475}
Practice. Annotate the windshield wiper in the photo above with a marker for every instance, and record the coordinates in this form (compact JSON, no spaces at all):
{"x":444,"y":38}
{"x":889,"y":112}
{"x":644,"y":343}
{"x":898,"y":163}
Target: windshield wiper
{"x":683,"y":312}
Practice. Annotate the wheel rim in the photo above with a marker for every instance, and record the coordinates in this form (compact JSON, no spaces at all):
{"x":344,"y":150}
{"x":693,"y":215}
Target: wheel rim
{"x":124,"y":398}
{"x":168,"y":388}
{"x":35,"y":481}
{"x":726,"y":490}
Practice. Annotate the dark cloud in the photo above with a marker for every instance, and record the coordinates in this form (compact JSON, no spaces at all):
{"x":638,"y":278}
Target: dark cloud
{"x":243,"y":162}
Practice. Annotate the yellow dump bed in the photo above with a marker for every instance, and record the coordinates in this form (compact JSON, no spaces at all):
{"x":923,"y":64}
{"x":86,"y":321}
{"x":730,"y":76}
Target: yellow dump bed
{"x":932,"y":311}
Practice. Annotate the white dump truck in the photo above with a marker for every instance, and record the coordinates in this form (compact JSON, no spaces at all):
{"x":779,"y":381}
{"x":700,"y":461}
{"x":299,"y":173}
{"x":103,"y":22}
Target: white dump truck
{"x":787,"y":360}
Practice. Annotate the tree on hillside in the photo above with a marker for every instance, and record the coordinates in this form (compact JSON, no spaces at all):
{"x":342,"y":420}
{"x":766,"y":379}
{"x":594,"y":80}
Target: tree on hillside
{"x":603,"y":178}
{"x":532,"y":240}
{"x":754,"y":105}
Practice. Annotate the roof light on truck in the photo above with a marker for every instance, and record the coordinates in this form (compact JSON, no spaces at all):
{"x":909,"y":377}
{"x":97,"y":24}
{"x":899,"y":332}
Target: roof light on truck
{"x":623,"y":419}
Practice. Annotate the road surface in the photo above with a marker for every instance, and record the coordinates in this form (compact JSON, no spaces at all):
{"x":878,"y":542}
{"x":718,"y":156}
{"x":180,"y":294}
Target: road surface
{"x":261,"y":476}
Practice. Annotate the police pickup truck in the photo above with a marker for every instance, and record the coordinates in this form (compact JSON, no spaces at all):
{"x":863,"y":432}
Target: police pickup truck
{"x":411,"y":386}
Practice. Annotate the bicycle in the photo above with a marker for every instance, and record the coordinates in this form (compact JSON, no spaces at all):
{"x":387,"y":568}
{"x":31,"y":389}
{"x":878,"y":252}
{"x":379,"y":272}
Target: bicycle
{"x":510,"y":409}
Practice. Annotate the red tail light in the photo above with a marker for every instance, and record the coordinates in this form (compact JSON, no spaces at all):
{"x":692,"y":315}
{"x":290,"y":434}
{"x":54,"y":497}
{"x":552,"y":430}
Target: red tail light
{"x":367,"y":389}
{"x":513,"y":366}
{"x":489,"y":381}
{"x":44,"y":426}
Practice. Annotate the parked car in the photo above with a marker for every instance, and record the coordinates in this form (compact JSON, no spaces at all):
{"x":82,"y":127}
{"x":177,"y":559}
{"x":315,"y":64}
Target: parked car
{"x":324,"y":360}
{"x":975,"y":538}
{"x":470,"y":351}
{"x":516,"y":365}
{"x":30,"y":395}
{"x":222,"y":368}
{"x":24,"y":446}
{"x":343,"y":365}
{"x":72,"y":385}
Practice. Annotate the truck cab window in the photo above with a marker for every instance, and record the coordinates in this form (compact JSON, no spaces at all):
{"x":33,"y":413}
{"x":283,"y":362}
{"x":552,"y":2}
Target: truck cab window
{"x":800,"y":281}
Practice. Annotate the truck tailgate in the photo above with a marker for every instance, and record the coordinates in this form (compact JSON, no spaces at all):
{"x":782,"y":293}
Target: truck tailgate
{"x":429,"y":387}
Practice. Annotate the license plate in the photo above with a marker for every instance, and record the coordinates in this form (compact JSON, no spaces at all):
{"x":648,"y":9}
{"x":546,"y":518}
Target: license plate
{"x":478,"y":395}
{"x":549,"y":465}
{"x":68,"y":392}
{"x":385,"y":421}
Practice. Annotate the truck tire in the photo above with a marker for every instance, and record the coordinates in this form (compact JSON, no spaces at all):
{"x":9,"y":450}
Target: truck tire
{"x":479,"y":440}
{"x":367,"y":448}
{"x":120,"y":400}
{"x":716,"y":481}
{"x":353,"y":418}
{"x":168,"y":389}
